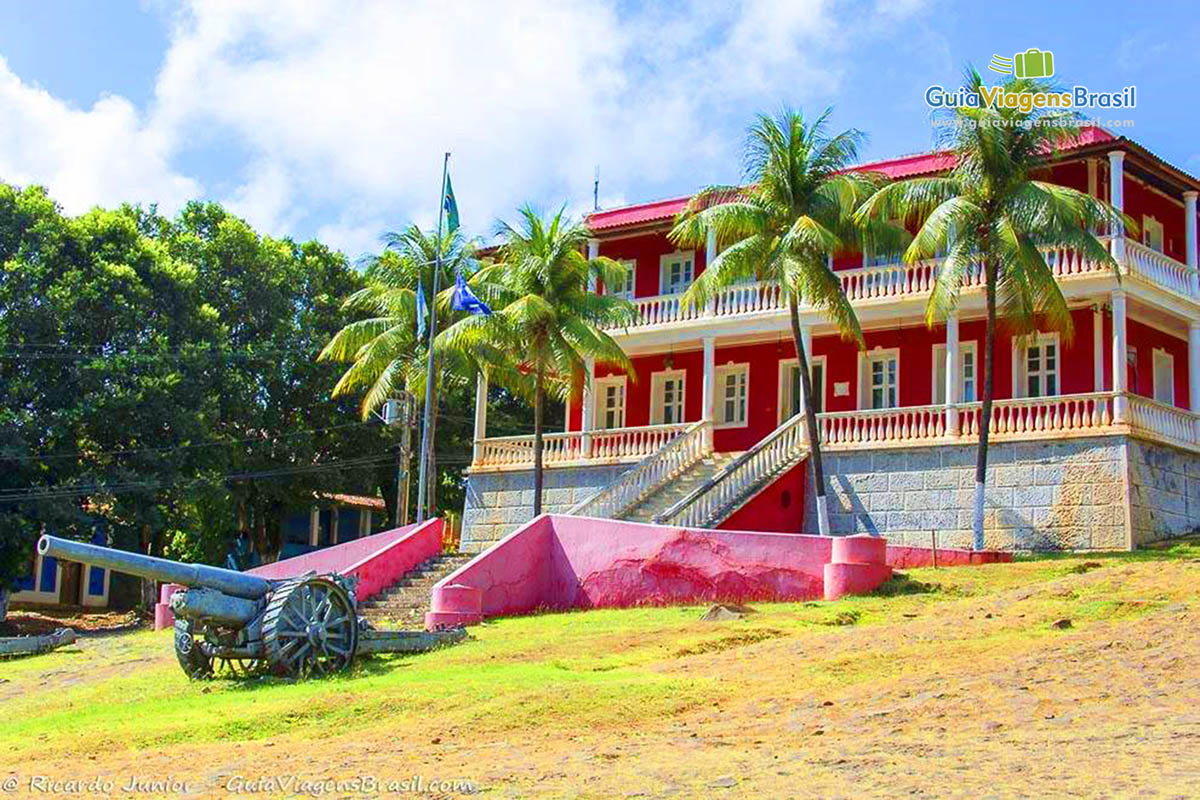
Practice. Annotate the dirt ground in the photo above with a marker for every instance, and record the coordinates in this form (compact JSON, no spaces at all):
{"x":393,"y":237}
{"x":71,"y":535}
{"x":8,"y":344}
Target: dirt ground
{"x":976,"y":698}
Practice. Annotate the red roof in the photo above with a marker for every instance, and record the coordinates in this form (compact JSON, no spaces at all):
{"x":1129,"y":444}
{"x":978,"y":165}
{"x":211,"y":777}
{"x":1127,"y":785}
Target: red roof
{"x":895,"y":168}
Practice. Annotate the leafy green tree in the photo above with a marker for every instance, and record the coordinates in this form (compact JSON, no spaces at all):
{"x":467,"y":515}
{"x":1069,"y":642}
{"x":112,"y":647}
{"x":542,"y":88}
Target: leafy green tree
{"x":794,"y":212}
{"x":547,"y":320}
{"x":383,"y":349}
{"x":991,"y":213}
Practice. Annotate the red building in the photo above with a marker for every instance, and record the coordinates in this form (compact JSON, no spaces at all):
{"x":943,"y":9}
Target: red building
{"x":718,"y":382}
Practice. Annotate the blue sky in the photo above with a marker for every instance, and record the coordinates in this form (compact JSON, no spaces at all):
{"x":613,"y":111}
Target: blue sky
{"x":328,"y":118}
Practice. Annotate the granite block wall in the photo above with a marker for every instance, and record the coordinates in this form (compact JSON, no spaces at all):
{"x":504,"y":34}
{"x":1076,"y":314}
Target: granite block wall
{"x":1164,"y":491}
{"x":500,"y":502}
{"x":1053,"y":495}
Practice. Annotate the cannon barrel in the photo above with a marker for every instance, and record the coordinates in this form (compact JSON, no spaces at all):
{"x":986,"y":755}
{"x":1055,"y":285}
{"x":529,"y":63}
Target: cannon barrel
{"x":238,"y":584}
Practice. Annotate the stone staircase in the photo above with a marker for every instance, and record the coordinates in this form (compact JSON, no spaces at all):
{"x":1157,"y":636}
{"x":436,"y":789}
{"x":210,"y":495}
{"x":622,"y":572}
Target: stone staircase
{"x":404,"y":603}
{"x":679,"y":487}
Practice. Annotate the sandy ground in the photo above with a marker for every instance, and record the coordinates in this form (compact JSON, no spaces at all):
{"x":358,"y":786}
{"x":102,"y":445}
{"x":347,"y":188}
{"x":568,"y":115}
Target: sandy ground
{"x":958,"y":708}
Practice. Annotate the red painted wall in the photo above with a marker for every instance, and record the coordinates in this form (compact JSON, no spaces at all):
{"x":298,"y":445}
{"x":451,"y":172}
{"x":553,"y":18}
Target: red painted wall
{"x":1146,"y":339}
{"x":778,"y":509}
{"x":647,"y":250}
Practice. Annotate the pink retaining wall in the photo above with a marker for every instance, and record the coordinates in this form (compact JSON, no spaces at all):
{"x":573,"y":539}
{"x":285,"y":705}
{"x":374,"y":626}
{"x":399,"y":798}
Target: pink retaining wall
{"x":910,"y":557}
{"x":377,"y":561}
{"x":557,"y":562}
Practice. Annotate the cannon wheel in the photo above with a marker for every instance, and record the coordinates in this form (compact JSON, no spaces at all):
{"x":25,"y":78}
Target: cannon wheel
{"x":190,"y":651}
{"x":310,"y":627}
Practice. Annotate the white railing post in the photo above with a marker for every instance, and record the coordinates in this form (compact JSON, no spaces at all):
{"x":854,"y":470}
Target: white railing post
{"x":708,"y":391}
{"x":1120,"y":369}
{"x":1194,"y":371}
{"x":1189,"y":228}
{"x":952,"y":398}
{"x":481,"y":391}
{"x":587,"y":417}
{"x":1116,"y":197}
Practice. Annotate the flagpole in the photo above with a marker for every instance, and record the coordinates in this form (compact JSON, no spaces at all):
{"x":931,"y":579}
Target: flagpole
{"x":426,"y":443}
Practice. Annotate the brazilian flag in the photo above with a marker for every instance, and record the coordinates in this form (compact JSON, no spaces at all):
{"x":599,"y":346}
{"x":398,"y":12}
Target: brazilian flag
{"x":451,"y":207}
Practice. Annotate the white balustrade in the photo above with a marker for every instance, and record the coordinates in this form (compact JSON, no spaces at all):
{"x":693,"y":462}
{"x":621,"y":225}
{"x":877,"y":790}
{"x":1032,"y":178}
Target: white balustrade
{"x":783,"y":447}
{"x":891,"y":280}
{"x":616,"y":444}
{"x":911,"y":424}
{"x":677,"y":455}
{"x":1157,"y":268}
{"x":1027,"y":417}
{"x":1173,"y":424}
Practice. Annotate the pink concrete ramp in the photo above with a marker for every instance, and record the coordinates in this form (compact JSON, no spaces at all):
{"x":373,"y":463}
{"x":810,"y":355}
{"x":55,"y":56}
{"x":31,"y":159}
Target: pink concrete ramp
{"x":377,"y":561}
{"x":558,"y":562}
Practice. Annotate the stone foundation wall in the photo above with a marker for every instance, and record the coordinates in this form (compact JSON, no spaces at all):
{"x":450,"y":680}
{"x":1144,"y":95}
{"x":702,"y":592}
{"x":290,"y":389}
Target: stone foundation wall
{"x":500,"y":502}
{"x":1164,"y":491}
{"x":1056,"y":495}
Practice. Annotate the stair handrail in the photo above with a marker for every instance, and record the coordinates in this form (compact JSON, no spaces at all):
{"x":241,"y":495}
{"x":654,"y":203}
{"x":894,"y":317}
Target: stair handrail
{"x":778,"y":448}
{"x":632,"y":485}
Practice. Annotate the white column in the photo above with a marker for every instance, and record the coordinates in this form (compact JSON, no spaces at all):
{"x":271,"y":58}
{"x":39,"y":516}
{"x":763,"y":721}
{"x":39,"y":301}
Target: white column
{"x":481,"y":392}
{"x":333,"y":525}
{"x":314,"y":526}
{"x":1194,"y":367}
{"x":1097,"y":348}
{"x":1116,"y":197}
{"x":587,"y":416}
{"x":1189,"y":228}
{"x":952,"y":398}
{"x":1120,"y":370}
{"x":708,"y":393}
{"x":593,"y":251}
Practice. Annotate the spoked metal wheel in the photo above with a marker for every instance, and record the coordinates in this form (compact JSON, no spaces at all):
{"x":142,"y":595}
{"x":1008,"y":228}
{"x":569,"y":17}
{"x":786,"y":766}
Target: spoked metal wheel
{"x":239,"y":667}
{"x":310,"y":628}
{"x":192,"y":652}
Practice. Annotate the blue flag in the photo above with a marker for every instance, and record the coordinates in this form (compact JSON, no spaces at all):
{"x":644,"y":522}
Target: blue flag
{"x":465,"y":300}
{"x":422,"y":310}
{"x":451,"y":207}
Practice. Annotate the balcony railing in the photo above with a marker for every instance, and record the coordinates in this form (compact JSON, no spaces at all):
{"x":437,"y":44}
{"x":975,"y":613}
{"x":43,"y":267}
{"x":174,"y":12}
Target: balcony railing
{"x":612,"y":445}
{"x":894,"y":281}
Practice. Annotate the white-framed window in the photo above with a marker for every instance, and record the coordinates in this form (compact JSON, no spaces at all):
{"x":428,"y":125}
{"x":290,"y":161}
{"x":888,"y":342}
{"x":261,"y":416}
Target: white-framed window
{"x":677,"y":270}
{"x":879,"y":377}
{"x":1039,"y":364}
{"x":610,"y":402}
{"x":789,"y":386}
{"x":1152,"y":233}
{"x":968,"y":373}
{"x":733,"y":393}
{"x":666,"y":397}
{"x":627,"y":290}
{"x":1164,"y":377}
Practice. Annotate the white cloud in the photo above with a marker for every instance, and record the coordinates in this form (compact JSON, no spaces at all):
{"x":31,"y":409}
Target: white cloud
{"x":341,"y":109}
{"x":104,"y":155}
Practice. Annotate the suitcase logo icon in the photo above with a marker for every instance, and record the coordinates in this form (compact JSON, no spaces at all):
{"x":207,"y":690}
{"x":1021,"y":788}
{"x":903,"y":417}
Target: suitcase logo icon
{"x":1033,"y":63}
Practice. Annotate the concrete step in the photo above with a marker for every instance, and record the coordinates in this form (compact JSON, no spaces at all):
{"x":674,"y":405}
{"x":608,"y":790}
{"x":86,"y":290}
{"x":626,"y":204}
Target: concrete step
{"x":407,"y":600}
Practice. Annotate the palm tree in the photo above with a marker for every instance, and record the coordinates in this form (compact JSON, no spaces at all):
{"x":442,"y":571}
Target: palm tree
{"x":383,"y":349}
{"x":793,"y":214}
{"x":991,"y":213}
{"x":547,"y":320}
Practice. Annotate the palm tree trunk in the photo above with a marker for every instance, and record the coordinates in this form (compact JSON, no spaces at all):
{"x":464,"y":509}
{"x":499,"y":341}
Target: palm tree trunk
{"x":985,"y":412}
{"x":538,"y":407}
{"x":810,"y":416}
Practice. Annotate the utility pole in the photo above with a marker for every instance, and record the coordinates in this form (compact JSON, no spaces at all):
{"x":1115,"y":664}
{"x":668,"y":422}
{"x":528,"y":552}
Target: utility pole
{"x":596,"y":190}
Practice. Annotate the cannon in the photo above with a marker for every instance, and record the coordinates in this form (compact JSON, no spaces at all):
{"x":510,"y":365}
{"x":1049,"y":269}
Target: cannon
{"x":243,"y":624}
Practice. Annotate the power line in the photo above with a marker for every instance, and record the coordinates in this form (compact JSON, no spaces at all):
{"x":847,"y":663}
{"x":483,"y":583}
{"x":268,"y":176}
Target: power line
{"x":166,"y":448}
{"x":52,"y":493}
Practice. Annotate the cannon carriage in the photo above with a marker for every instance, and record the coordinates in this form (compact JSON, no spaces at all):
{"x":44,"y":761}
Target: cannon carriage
{"x":233,"y":621}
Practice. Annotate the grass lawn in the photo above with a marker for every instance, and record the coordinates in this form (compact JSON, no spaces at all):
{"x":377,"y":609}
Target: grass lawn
{"x":654,"y":702}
